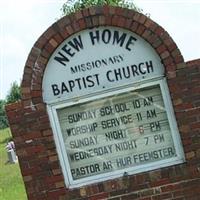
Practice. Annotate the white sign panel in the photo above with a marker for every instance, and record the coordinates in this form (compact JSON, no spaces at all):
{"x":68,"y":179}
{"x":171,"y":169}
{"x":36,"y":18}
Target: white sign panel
{"x":97,"y":60}
{"x":116,"y":133}
{"x":109,"y":107}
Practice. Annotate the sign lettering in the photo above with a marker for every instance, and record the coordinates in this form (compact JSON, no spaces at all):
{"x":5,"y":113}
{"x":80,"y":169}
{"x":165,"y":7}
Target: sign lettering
{"x":76,"y":69}
{"x":129,"y":129}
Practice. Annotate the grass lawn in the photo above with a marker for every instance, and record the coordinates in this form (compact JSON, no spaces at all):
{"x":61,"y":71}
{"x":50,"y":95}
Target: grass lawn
{"x":11,"y":183}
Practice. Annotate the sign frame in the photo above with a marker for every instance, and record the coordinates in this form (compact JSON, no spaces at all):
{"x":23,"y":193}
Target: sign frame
{"x":70,"y":183}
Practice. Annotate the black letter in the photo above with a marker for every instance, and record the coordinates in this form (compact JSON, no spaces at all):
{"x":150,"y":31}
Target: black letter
{"x":130,"y":41}
{"x":141,"y":67}
{"x":92,"y":37}
{"x":55,"y":89}
{"x":64,"y":88}
{"x":68,"y":51}
{"x":77,"y":44}
{"x":149,"y":66}
{"x":61,"y":59}
{"x":108,"y":77}
{"x":104,"y":39}
{"x":118,"y":39}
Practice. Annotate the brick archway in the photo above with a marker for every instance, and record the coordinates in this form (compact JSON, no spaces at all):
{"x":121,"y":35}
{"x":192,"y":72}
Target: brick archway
{"x":32,"y":130}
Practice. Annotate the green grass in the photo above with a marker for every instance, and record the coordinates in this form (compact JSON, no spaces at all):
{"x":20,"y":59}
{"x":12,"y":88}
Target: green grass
{"x":11,"y":183}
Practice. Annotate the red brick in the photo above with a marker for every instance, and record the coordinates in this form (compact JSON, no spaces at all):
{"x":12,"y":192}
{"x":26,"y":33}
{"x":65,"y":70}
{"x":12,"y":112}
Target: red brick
{"x":115,"y":20}
{"x":63,"y":22}
{"x":128,"y":23}
{"x":165,"y":54}
{"x":35,"y":149}
{"x":53,"y":42}
{"x":195,"y":125}
{"x":49,"y":33}
{"x":160,"y":182}
{"x":130,"y":196}
{"x":121,"y":21}
{"x":146,"y":198}
{"x":92,"y":11}
{"x":49,"y":48}
{"x":56,"y":172}
{"x":32,"y":135}
{"x":147,"y":34}
{"x":78,"y":15}
{"x":108,"y":20}
{"x":102,"y":20}
{"x":140,"y":30}
{"x":85,"y":12}
{"x":112,"y":10}
{"x":53,"y":179}
{"x":136,"y":16}
{"x":82,"y":23}
{"x":58,"y":38}
{"x":134,"y":26}
{"x":69,"y":29}
{"x":95,"y":20}
{"x":13,"y":106}
{"x":101,"y":196}
{"x":162,"y":196}
{"x":172,"y":47}
{"x":171,"y":67}
{"x":105,"y":10}
{"x":36,"y":93}
{"x":156,"y":43}
{"x":60,"y":184}
{"x":31,"y":171}
{"x":149,"y":23}
{"x":40,"y":42}
{"x":168,"y":61}
{"x":119,"y":11}
{"x":159,"y":31}
{"x":153,"y":39}
{"x":52,"y":195}
{"x":88,"y":22}
{"x":142,"y":19}
{"x":92,"y":190}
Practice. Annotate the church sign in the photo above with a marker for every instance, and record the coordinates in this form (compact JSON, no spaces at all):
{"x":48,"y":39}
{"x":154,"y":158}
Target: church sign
{"x":109,"y":106}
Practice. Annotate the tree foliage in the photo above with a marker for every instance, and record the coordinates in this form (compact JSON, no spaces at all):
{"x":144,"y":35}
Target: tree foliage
{"x":14,"y":93}
{"x":3,"y":118}
{"x":72,"y":6}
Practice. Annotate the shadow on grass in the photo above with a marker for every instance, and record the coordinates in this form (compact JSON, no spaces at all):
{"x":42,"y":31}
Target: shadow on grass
{"x":10,"y":163}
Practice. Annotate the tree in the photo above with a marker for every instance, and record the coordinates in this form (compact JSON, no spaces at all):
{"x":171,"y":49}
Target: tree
{"x":14,"y":93}
{"x":72,"y":6}
{"x":3,"y":118}
{"x":13,"y":96}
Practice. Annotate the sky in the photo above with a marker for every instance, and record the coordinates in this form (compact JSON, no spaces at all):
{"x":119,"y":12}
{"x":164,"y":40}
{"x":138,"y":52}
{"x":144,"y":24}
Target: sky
{"x":23,"y":21}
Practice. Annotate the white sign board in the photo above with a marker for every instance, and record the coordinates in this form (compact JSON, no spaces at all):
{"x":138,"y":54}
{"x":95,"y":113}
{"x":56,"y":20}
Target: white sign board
{"x":109,"y":107}
{"x":97,"y":60}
